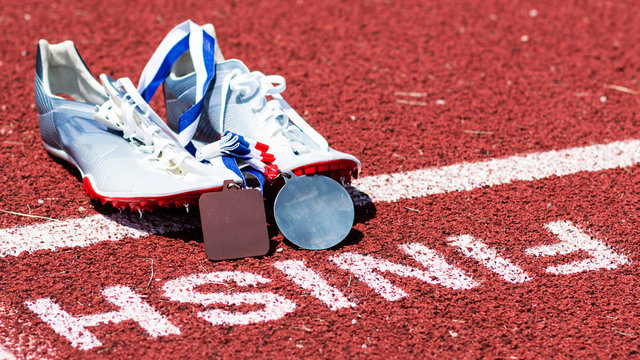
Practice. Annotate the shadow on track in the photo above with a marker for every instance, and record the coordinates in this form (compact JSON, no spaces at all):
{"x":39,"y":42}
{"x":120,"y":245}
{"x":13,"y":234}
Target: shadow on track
{"x":180,"y":224}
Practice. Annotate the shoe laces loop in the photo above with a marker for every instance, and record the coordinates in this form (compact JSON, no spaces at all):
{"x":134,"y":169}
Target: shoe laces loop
{"x":141,"y":130}
{"x":258,"y":88}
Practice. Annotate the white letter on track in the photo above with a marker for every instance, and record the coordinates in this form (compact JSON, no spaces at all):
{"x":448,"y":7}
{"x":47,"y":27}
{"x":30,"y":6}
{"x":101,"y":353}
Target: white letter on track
{"x":487,"y":256}
{"x":306,"y":278}
{"x":438,"y":272}
{"x":274,"y":306}
{"x":74,"y":328}
{"x":573,"y":239}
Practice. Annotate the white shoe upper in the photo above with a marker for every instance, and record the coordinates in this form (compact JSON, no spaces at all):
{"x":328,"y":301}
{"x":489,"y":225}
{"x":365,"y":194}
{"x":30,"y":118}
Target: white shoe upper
{"x":250,"y":104}
{"x":126,"y":111}
{"x":120,"y":147}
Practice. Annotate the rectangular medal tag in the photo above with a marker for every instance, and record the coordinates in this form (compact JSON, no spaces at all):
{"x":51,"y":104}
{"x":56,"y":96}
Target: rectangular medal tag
{"x":234,"y":224}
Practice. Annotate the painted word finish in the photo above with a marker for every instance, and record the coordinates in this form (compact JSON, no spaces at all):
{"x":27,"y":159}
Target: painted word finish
{"x":434,"y":270}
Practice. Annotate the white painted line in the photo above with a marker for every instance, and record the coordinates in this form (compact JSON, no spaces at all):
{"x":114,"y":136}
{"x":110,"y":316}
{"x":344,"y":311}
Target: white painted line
{"x":392,"y":187}
{"x":469,"y":176}
{"x":5,"y":354}
{"x":488,"y":256}
{"x":53,"y":235}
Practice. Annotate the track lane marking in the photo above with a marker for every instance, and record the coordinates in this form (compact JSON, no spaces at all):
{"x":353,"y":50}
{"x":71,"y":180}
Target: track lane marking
{"x":83,"y":232}
{"x":86,"y":231}
{"x":527,"y":167}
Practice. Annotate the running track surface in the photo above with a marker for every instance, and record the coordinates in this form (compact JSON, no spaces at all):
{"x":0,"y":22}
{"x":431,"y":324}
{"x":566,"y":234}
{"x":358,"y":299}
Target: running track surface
{"x":497,"y":213}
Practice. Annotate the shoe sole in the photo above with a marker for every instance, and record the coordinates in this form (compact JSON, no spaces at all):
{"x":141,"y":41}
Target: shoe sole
{"x":134,"y":203}
{"x":343,"y":171}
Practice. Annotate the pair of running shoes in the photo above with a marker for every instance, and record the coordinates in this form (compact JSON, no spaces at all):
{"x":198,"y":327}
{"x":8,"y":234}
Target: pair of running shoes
{"x":224,"y":122}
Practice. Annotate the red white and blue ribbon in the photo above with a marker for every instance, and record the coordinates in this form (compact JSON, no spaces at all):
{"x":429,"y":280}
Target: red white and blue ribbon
{"x":188,"y":36}
{"x":252,"y":152}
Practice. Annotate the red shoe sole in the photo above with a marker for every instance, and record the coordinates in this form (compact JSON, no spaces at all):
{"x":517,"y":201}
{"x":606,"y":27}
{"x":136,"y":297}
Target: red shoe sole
{"x":343,"y":171}
{"x":147,"y":203}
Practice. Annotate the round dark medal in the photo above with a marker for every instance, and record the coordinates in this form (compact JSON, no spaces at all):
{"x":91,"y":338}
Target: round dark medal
{"x":313,"y":212}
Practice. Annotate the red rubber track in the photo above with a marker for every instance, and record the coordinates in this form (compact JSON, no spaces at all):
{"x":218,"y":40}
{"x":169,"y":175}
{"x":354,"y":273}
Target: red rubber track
{"x":402,"y":85}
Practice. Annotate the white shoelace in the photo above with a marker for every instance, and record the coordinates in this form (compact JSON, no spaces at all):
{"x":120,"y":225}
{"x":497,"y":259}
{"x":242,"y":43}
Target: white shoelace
{"x":149,"y":138}
{"x":275,"y":114}
{"x":161,"y":150}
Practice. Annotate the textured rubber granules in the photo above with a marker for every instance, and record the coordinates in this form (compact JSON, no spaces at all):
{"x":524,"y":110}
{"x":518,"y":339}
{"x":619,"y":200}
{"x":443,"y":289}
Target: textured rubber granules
{"x":403,"y":85}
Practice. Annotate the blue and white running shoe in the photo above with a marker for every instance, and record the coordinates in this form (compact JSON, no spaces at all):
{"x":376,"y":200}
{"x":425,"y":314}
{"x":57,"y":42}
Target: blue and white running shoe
{"x":240,"y":101}
{"x":125,"y":153}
